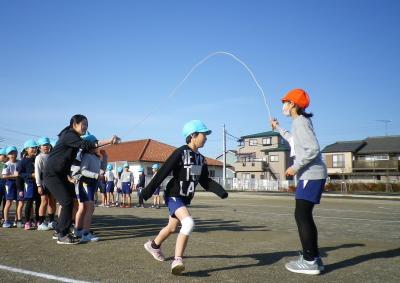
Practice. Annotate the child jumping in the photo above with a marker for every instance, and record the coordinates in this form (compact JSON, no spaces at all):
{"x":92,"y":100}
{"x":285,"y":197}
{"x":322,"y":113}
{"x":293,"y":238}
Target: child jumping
{"x":311,"y":173}
{"x":189,"y":168}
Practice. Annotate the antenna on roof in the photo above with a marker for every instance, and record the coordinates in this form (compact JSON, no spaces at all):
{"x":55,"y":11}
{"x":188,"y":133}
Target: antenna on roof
{"x":386,"y":122}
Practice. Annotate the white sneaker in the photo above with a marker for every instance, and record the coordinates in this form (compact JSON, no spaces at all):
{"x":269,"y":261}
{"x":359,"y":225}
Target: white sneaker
{"x":177,"y":266}
{"x":43,"y":227}
{"x":52,"y":225}
{"x":89,"y":238}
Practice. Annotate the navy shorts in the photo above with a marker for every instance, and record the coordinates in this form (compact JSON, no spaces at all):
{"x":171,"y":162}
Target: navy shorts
{"x":174,"y":203}
{"x":29,"y":190}
{"x":86,"y":192}
{"x":157,"y":191}
{"x":126,"y":188}
{"x":11,"y":190}
{"x":312,"y":191}
{"x":110,"y":187}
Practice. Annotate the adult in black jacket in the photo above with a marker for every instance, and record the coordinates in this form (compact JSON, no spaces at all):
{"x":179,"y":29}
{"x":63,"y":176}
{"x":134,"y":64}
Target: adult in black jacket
{"x":58,"y":168}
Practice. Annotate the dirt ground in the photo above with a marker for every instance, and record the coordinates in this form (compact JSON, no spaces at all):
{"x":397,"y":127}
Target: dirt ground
{"x":245,"y":238}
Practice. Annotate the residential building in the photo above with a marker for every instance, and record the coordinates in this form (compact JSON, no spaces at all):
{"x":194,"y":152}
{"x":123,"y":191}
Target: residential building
{"x":264,"y":155}
{"x":374,"y":158}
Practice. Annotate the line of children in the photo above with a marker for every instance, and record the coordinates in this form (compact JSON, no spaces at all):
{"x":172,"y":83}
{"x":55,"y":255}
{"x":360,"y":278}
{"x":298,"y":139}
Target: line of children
{"x":189,"y":168}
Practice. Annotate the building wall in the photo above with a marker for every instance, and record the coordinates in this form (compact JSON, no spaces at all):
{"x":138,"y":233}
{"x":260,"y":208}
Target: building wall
{"x":347,"y":166}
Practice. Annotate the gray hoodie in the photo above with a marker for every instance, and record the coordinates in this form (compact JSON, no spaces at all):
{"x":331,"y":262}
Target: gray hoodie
{"x":307,"y":156}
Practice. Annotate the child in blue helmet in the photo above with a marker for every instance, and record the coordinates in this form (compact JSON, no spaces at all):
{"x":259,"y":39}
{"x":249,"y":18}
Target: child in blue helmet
{"x":139,"y":186}
{"x":10,"y":174}
{"x":156,"y":194}
{"x":26,"y":170}
{"x":126,"y":185}
{"x":110,"y":179}
{"x":47,"y":201}
{"x":189,"y":168}
{"x":3,"y":160}
{"x":118,"y":185}
{"x":88,"y":178}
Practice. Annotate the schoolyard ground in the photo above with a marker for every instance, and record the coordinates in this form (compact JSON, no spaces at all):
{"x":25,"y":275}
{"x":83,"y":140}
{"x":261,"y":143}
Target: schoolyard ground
{"x":245,"y":238}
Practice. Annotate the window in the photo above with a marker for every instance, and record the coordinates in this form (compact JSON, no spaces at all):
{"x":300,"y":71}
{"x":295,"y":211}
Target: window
{"x":267,"y":141}
{"x":283,"y":142}
{"x":273,"y":158}
{"x":338,"y":161}
{"x":211,"y":173}
{"x":252,"y":142}
{"x":253,"y":176}
{"x":241,"y":142}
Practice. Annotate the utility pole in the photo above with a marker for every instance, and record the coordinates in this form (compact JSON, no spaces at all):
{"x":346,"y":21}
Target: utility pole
{"x":386,"y":122}
{"x":388,"y":185}
{"x":224,"y":156}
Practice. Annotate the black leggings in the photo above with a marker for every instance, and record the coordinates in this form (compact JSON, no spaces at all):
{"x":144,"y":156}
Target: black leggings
{"x":63,"y":191}
{"x":307,"y":230}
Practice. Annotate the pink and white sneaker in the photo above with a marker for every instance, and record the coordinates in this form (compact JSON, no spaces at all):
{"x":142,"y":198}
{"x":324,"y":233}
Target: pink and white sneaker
{"x":27,"y":225}
{"x":177,"y":266}
{"x":156,"y":253}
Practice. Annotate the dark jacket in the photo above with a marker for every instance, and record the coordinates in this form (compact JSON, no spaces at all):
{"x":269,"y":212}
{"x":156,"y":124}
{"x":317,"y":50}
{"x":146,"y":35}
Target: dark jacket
{"x":189,"y":168}
{"x":63,"y":154}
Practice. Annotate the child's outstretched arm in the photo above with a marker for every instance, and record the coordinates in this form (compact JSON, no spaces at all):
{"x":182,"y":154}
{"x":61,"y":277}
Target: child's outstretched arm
{"x":210,"y":185}
{"x":162,"y":173}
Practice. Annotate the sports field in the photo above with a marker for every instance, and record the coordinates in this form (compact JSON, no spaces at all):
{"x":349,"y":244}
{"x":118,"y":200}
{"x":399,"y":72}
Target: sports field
{"x":245,"y":238}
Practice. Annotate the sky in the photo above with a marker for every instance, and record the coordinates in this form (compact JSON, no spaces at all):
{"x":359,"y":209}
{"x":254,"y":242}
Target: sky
{"x":118,"y":63}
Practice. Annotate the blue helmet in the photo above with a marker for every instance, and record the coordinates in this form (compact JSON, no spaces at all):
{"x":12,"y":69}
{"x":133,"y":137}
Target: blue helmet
{"x":30,"y":143}
{"x":89,"y":137}
{"x":193,"y":127}
{"x":155,"y":166}
{"x":141,"y":169}
{"x":3,"y":151}
{"x":120,"y":169}
{"x":43,"y":141}
{"x":126,"y":165}
{"x":109,"y":167}
{"x":11,"y":148}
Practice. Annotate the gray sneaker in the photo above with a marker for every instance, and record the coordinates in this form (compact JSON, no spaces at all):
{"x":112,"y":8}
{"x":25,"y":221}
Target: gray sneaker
{"x":303,"y":266}
{"x":68,"y":240}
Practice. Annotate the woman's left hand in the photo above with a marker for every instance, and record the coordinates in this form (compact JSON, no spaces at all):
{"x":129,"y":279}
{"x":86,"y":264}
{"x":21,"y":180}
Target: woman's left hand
{"x":290,"y":172}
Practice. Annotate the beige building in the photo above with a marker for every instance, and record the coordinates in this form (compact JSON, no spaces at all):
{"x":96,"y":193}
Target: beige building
{"x":262,"y":156}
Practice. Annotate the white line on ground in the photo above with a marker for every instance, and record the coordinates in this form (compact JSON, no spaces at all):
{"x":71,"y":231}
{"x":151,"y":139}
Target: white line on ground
{"x":41,"y":275}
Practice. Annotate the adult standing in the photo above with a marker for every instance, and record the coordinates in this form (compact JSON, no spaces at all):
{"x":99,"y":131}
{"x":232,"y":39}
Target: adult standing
{"x":58,"y":169}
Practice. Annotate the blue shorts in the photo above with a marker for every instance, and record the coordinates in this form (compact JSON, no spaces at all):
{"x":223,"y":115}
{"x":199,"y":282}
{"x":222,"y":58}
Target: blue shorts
{"x":86,"y":192}
{"x":29,"y":189}
{"x":174,"y":203}
{"x":110,"y":187}
{"x":312,"y":191}
{"x":11,"y":190}
{"x":126,"y":188}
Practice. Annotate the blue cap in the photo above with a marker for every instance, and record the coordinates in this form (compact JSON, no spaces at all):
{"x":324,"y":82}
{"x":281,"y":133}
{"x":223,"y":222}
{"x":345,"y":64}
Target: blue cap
{"x":126,"y":165}
{"x":89,"y":137}
{"x":109,"y":167}
{"x":11,"y":148}
{"x":193,"y":127}
{"x":120,"y":169}
{"x":30,"y":143}
{"x":43,"y":141}
{"x":156,"y":166}
{"x":141,"y":169}
{"x":3,"y":151}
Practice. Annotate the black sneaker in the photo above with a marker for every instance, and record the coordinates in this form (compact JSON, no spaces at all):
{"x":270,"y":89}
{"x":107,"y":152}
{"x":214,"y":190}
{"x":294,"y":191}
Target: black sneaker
{"x":68,"y":240}
{"x":55,"y":235}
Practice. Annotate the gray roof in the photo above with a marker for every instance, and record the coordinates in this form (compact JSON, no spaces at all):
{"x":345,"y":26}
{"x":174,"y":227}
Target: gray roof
{"x":261,"y":135}
{"x":344,"y":146}
{"x":386,"y":144}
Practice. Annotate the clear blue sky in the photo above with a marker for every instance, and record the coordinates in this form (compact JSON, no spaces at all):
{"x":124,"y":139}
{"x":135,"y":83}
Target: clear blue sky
{"x":115,"y":61}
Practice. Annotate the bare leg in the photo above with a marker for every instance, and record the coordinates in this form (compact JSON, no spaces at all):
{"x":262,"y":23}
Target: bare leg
{"x":167,"y":231}
{"x":182,"y":239}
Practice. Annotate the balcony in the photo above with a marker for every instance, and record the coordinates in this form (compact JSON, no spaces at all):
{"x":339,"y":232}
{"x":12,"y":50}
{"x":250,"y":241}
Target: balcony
{"x":250,"y":166}
{"x":375,"y":165}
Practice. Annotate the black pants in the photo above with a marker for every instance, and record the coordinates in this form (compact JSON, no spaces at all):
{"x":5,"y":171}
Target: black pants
{"x":307,"y":230}
{"x":64,"y":192}
{"x":140,"y":196}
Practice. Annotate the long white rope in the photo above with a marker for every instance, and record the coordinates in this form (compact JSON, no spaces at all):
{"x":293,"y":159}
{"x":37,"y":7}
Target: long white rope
{"x":173,"y":92}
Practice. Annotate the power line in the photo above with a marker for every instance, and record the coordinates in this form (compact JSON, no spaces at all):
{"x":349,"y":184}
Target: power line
{"x":19,"y":132}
